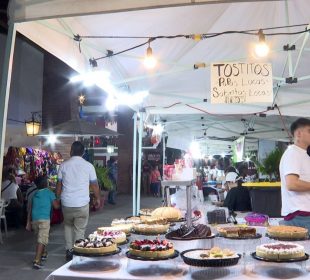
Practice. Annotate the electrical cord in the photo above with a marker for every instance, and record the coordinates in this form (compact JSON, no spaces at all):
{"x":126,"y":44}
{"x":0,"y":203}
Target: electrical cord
{"x":252,"y":32}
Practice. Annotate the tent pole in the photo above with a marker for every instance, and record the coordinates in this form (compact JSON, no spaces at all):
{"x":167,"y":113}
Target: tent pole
{"x":134,"y":166}
{"x":139,"y":162}
{"x":164,"y":150}
{"x":164,"y":156}
{"x":5,"y":88}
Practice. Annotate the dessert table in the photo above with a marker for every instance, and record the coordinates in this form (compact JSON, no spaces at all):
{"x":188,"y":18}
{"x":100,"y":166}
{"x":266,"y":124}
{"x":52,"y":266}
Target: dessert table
{"x":121,"y":267}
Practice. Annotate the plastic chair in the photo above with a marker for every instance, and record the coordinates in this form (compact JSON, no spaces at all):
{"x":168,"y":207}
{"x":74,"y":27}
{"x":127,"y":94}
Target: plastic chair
{"x":3,"y":204}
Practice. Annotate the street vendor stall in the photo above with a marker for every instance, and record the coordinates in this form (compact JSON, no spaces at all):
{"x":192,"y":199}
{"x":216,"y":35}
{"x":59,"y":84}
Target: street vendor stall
{"x":265,"y":197}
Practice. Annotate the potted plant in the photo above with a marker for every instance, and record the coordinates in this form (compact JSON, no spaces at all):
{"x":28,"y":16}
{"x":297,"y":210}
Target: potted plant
{"x":270,"y":164}
{"x":104,"y":181}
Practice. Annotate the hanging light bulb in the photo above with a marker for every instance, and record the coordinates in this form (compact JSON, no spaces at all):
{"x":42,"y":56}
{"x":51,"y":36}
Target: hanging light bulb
{"x":111,"y":103}
{"x":261,"y":49}
{"x":149,"y":60}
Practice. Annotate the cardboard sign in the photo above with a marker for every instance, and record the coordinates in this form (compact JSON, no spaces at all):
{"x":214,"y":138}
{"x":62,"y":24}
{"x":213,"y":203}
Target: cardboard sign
{"x":241,"y":82}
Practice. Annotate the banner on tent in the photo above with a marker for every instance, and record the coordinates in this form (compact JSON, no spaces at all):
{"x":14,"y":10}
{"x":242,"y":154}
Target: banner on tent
{"x":241,"y":82}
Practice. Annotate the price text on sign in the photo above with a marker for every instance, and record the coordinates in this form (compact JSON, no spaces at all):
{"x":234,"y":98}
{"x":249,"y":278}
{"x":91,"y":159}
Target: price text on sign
{"x":241,"y":82}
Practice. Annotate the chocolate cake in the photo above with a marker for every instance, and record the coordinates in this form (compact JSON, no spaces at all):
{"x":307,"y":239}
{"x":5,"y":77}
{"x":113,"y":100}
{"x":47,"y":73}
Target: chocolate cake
{"x":197,"y":231}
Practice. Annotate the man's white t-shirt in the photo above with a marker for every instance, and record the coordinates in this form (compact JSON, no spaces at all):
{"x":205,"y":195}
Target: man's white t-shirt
{"x":75,"y":174}
{"x":295,"y":160}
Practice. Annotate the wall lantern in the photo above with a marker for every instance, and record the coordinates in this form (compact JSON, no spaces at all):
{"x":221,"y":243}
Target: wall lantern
{"x":33,"y":126}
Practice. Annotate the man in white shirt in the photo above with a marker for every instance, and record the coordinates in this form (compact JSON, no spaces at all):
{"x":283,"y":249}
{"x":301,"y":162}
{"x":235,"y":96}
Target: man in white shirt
{"x":295,"y":177}
{"x":75,"y":177}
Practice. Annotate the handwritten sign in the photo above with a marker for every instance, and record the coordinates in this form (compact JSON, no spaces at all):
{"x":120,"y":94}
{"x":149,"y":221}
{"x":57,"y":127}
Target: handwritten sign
{"x":241,"y":82}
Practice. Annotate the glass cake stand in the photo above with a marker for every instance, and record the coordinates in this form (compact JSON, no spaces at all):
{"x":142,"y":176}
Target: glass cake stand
{"x":150,"y":268}
{"x":243,"y":245}
{"x":96,"y":262}
{"x":280,"y":269}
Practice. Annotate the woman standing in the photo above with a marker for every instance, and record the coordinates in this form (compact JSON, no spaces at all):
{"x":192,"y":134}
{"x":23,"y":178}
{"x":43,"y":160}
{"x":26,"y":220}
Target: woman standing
{"x":155,"y":179}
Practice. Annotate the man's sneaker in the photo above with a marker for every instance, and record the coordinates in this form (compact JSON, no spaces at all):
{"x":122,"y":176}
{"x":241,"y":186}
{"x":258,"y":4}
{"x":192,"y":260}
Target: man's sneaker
{"x":37,"y":265}
{"x":69,"y":255}
{"x":44,"y":256}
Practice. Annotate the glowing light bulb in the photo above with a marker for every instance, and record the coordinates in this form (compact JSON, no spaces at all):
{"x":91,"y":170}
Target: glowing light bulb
{"x":111,"y":103}
{"x":149,"y":60}
{"x":261,"y":49}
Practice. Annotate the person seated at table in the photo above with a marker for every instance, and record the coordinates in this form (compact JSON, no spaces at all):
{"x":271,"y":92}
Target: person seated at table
{"x":238,"y":197}
{"x":11,"y":193}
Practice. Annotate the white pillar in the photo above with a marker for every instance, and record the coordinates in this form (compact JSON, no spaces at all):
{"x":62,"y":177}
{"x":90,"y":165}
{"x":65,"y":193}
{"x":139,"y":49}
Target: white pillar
{"x":139,"y":161}
{"x":134,"y":166}
{"x":5,"y":88}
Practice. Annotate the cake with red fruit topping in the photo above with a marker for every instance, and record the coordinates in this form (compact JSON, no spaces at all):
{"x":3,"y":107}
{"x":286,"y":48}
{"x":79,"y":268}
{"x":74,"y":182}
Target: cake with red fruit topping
{"x":280,"y":251}
{"x":152,"y":249}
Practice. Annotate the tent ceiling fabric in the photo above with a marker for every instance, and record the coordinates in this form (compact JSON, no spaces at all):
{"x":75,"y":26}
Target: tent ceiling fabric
{"x":177,"y":90}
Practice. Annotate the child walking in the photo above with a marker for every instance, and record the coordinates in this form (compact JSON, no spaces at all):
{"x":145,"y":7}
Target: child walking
{"x":39,"y":218}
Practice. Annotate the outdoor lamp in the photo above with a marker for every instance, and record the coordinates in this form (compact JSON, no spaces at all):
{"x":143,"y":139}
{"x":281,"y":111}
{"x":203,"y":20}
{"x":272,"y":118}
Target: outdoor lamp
{"x":33,"y":125}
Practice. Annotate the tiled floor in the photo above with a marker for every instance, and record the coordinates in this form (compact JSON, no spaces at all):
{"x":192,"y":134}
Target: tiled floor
{"x":17,"y":252}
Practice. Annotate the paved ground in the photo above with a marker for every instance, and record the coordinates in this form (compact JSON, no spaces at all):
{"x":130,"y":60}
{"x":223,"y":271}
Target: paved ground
{"x":17,"y":252}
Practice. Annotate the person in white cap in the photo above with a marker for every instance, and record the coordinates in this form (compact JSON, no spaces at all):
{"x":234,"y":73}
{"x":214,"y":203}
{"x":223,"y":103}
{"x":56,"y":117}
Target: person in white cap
{"x":238,"y":197}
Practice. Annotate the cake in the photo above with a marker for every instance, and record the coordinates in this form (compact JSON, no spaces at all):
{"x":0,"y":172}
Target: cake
{"x":146,"y":211}
{"x":153,"y":249}
{"x":131,"y":220}
{"x":119,"y":227}
{"x":151,"y":229}
{"x":213,"y":253}
{"x":287,"y":232}
{"x":96,"y":246}
{"x":134,"y":220}
{"x":280,"y":251}
{"x":170,"y":213}
{"x":256,"y":219}
{"x":153,"y":220}
{"x":199,"y":231}
{"x":118,"y":236}
{"x":237,"y":232}
{"x":217,"y":216}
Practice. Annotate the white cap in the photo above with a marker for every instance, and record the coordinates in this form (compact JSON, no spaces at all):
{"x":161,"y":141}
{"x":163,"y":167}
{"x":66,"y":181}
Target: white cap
{"x":231,"y":177}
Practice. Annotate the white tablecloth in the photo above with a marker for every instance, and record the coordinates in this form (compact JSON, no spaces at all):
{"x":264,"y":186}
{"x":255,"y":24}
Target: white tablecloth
{"x":120,"y":267}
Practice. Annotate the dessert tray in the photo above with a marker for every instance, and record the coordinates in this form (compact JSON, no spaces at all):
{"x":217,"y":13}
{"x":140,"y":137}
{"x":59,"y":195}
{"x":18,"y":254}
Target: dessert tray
{"x":287,"y":239}
{"x":193,"y":257}
{"x":98,"y":254}
{"x":304,"y":258}
{"x":130,"y":256}
{"x":256,"y":236}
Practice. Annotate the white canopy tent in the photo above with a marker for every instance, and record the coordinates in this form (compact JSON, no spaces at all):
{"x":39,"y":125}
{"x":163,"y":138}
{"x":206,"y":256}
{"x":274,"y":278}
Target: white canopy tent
{"x":179,"y":94}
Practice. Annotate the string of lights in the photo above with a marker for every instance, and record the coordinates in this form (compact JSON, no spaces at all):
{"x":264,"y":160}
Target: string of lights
{"x":197,"y":37}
